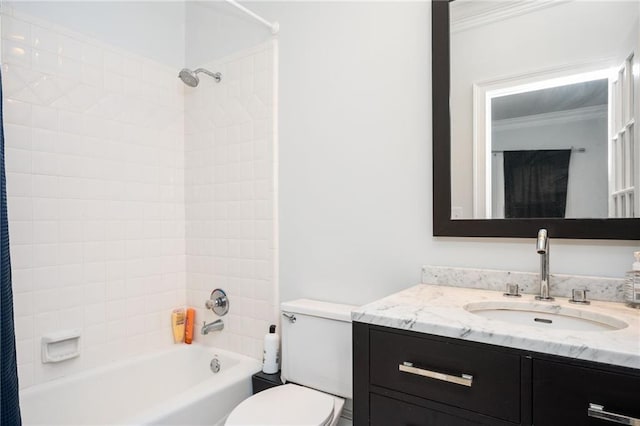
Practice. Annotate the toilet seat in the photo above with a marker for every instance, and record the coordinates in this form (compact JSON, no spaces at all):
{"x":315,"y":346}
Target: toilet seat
{"x":285,"y":405}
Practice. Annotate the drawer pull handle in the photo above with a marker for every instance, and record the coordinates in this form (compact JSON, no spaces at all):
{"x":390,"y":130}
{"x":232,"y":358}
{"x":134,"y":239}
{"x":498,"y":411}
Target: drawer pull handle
{"x":597,"y":411}
{"x":463,"y":379}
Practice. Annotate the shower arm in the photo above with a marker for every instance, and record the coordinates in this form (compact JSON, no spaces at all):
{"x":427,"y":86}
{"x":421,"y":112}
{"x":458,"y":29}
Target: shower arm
{"x":216,"y":75}
{"x":273,"y":26}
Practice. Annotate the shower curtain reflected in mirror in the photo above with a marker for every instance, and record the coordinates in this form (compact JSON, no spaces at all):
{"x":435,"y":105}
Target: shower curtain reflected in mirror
{"x":535,"y":183}
{"x":9,"y":402}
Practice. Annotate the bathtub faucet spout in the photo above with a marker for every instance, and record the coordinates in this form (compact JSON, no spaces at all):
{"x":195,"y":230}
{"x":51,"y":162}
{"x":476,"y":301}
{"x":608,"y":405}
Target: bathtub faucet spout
{"x":216,"y":325}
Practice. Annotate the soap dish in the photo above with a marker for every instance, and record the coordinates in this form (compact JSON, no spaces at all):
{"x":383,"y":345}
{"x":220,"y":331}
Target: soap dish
{"x":60,"y":346}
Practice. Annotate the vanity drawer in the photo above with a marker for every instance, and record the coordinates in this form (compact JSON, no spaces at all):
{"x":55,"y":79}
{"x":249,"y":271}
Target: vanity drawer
{"x":437,"y":373}
{"x":391,"y":412}
{"x":562,"y":395}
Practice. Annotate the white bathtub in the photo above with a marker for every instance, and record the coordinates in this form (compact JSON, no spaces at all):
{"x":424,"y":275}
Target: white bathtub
{"x":174,"y":387}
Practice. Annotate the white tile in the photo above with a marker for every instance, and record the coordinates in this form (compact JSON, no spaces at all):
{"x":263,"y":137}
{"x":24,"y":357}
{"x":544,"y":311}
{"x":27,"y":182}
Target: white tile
{"x":45,"y":186}
{"x":16,"y":30}
{"x":45,"y":117}
{"x":44,"y":39}
{"x":21,"y":232}
{"x":47,"y":300}
{"x":24,"y":327}
{"x":70,"y":253}
{"x":44,"y":255}
{"x":70,"y":298}
{"x":45,"y":163}
{"x":69,"y":68}
{"x":71,"y":122}
{"x":131,"y":67}
{"x":94,"y":293}
{"x":70,"y":47}
{"x":92,"y":55}
{"x":94,"y":272}
{"x":72,"y":188}
{"x":17,"y":137}
{"x":16,"y":112}
{"x":24,"y":351}
{"x":70,"y":165}
{"x":45,"y":62}
{"x":44,"y":140}
{"x":92,"y":75}
{"x":71,"y":231}
{"x":45,"y":208}
{"x":94,"y":251}
{"x":25,"y":375}
{"x":114,"y":83}
{"x":16,"y":53}
{"x":18,"y":160}
{"x":19,"y":185}
{"x":71,"y":318}
{"x":45,"y":232}
{"x":71,"y":210}
{"x":70,"y":275}
{"x":19,"y":209}
{"x":46,"y":278}
{"x":113,"y":62}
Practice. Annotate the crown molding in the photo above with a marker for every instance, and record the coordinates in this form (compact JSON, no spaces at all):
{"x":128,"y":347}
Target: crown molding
{"x":471,"y":14}
{"x":550,"y":118}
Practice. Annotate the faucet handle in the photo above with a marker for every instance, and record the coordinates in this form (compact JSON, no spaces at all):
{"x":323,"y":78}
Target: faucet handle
{"x":218,"y":302}
{"x":579,"y":296}
{"x":512,"y":291}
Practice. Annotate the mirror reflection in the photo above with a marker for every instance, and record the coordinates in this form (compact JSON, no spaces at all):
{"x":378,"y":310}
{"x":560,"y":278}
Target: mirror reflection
{"x":543,"y":109}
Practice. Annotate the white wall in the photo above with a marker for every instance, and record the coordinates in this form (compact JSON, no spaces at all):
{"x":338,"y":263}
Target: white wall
{"x":95,"y":184}
{"x":567,"y":38}
{"x":154,"y":29}
{"x":215,"y":29}
{"x":355,"y":159}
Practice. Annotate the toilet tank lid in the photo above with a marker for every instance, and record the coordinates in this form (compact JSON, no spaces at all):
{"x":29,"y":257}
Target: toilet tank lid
{"x":316,"y":308}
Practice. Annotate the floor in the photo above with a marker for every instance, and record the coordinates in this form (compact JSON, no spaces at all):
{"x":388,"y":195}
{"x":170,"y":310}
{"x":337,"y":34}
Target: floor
{"x":344,"y":422}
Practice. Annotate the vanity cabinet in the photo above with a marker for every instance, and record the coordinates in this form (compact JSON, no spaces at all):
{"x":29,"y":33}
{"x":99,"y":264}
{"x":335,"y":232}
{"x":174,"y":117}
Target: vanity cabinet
{"x":409,"y":378}
{"x":562,"y":395}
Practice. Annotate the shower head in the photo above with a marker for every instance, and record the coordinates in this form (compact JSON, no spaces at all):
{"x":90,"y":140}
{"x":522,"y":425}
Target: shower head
{"x":190,"y":78}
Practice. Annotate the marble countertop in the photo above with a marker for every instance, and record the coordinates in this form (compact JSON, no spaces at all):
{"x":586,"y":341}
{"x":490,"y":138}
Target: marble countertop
{"x":439,"y":310}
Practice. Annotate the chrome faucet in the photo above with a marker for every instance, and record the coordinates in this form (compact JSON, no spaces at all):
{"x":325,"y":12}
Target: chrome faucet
{"x":542,"y":247}
{"x":216,"y":325}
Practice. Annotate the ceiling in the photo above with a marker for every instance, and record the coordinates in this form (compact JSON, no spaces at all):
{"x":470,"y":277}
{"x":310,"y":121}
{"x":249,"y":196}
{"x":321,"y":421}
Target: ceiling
{"x":562,"y":98}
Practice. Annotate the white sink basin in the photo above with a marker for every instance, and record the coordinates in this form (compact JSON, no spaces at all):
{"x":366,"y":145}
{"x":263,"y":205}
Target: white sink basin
{"x":548,"y":316}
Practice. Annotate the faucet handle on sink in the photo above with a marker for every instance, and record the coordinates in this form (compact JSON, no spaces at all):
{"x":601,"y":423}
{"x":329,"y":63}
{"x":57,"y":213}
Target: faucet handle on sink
{"x":579,"y":296}
{"x":512,"y":290}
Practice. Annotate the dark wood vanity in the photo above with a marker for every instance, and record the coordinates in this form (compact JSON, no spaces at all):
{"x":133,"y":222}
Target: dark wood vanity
{"x":451,"y":382}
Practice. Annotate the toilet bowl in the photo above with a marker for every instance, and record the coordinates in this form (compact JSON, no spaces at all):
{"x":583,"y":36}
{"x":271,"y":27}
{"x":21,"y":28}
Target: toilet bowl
{"x":316,"y":363}
{"x":288,"y":405}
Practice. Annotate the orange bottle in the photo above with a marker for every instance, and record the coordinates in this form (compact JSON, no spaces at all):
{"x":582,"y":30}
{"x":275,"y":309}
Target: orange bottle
{"x":188,"y":325}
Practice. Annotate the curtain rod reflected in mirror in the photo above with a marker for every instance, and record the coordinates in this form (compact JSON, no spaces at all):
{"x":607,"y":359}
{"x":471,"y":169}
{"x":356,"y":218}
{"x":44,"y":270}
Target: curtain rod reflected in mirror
{"x":588,"y":100}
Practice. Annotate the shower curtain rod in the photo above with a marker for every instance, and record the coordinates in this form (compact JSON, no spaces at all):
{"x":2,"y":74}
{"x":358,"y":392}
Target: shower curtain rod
{"x":274,"y":26}
{"x":572,"y":150}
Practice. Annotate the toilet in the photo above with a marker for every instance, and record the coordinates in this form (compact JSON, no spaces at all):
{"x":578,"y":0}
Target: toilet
{"x":316,"y":365}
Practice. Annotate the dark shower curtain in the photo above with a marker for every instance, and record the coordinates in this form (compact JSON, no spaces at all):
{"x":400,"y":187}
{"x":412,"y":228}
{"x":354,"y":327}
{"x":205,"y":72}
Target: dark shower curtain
{"x":535,"y":183}
{"x":9,"y":403}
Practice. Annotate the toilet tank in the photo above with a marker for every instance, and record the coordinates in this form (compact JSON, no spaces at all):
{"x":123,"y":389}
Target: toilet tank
{"x":316,"y":347}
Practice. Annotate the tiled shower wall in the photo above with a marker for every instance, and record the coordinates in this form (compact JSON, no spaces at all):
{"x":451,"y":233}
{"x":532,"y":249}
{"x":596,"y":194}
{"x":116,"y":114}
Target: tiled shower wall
{"x":95,"y":175}
{"x":229,"y":196}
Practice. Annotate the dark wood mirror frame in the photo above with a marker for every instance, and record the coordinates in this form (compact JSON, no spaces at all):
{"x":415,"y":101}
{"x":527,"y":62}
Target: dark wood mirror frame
{"x":443,"y":225}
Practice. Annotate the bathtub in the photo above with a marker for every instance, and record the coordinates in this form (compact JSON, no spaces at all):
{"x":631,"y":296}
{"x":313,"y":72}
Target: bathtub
{"x":174,"y":387}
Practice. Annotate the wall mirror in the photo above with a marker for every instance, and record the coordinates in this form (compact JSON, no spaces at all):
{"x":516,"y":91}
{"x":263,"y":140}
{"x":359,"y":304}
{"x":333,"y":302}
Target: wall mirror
{"x":534,"y":112}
